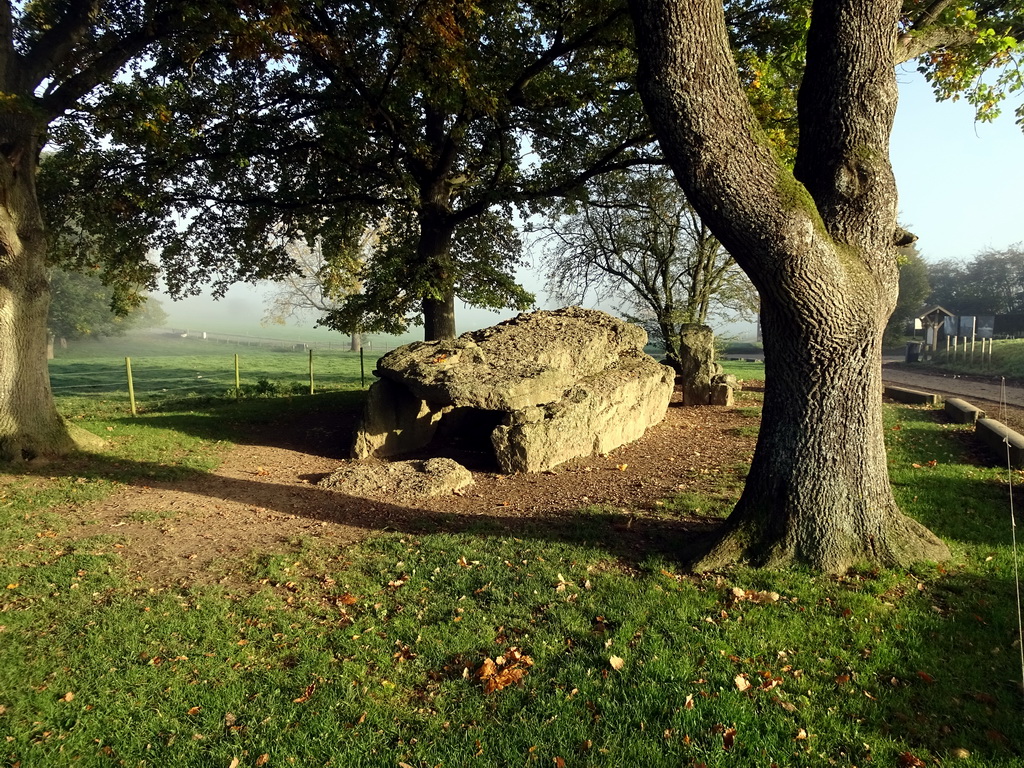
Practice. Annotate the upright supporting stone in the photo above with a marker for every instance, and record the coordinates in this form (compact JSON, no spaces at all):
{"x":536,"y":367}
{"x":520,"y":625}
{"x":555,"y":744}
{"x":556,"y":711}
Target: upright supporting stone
{"x":697,"y":366}
{"x":394,"y":422}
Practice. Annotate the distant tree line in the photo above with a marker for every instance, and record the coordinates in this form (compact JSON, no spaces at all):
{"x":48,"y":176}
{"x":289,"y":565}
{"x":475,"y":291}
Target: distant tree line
{"x":989,"y":283}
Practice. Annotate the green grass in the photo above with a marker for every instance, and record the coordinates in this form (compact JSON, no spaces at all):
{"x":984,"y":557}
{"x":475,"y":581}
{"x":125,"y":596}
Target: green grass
{"x":368,"y":656}
{"x":742,"y":370}
{"x":1007,"y":360}
{"x":167,"y":369}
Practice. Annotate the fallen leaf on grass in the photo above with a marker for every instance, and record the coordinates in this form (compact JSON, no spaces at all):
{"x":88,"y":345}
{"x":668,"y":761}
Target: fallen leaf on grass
{"x":505,"y":670}
{"x":559,"y":762}
{"x":67,"y":696}
{"x":263,"y":759}
{"x":741,"y":682}
{"x":728,"y":738}
{"x":234,"y":763}
{"x":801,"y":735}
{"x":909,"y":760}
{"x":195,"y":710}
{"x":403,"y":765}
{"x":926,"y":677}
{"x":688,"y":704}
{"x":617,"y":663}
{"x":788,"y":706}
{"x":306,"y":695}
{"x":755,"y":596}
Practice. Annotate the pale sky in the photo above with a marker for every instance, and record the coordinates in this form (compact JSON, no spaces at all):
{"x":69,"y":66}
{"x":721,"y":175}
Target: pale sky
{"x":956,"y":177}
{"x":956,"y":180}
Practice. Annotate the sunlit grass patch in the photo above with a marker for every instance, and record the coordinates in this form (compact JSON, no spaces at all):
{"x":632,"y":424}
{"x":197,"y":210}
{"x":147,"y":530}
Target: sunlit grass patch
{"x":482,"y":648}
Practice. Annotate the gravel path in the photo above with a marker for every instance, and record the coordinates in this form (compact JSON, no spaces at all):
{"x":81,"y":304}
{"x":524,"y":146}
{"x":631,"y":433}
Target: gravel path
{"x":981,"y":388}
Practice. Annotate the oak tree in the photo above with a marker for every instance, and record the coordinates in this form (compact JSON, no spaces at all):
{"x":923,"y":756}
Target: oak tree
{"x":432,"y":116}
{"x":818,"y":241}
{"x":52,"y":55}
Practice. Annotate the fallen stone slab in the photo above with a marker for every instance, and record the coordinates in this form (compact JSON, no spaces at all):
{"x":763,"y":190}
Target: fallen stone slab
{"x":533,"y":392}
{"x":962,"y":412}
{"x":529,"y":360}
{"x":1002,"y":442}
{"x":598,"y":415}
{"x":399,"y":479}
{"x":912,"y":396}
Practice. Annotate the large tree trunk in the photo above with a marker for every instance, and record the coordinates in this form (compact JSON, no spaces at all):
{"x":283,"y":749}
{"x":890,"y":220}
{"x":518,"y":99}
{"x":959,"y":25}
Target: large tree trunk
{"x":29,"y":424}
{"x":433,"y":257}
{"x":439,"y":318}
{"x":818,"y":489}
{"x":819,"y":249}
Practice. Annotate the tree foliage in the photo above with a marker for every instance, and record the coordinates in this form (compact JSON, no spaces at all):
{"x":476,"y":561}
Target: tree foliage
{"x":631,"y":237}
{"x":914,"y":292}
{"x":990,"y":283}
{"x":80,"y":306}
{"x":309,"y":117}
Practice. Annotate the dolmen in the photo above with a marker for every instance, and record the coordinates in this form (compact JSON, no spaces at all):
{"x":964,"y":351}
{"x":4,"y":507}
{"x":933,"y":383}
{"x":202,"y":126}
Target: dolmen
{"x":544,"y":387}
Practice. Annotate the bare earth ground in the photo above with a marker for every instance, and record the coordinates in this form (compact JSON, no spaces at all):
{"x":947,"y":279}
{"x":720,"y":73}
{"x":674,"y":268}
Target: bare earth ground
{"x":264,"y":498}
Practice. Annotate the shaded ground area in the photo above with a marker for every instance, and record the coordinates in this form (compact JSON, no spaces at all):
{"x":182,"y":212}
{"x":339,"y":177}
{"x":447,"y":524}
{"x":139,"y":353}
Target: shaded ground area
{"x":264,"y":497}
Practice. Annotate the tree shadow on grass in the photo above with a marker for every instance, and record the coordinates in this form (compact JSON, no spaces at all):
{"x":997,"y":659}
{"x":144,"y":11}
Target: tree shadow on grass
{"x":944,"y":478}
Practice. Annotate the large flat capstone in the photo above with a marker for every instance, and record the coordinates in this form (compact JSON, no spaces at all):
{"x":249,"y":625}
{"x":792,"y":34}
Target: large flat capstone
{"x":558,"y":384}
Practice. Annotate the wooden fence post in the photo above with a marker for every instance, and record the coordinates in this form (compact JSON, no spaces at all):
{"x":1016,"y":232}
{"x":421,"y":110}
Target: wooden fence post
{"x":131,"y":384}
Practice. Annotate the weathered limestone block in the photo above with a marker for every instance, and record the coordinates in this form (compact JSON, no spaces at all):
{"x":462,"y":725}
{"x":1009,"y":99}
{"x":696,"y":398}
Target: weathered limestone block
{"x":529,"y":360}
{"x":597,"y":415}
{"x":394,"y":422}
{"x":722,"y":387}
{"x":540,"y":389}
{"x":399,"y":479}
{"x":697,"y":366}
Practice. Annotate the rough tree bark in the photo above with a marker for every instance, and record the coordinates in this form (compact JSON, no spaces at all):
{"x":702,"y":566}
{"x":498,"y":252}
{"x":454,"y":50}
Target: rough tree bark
{"x":29,"y":423}
{"x":818,"y":245}
{"x":433,"y":259}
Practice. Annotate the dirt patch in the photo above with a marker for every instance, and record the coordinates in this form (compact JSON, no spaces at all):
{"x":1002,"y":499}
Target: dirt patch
{"x":265,"y":498}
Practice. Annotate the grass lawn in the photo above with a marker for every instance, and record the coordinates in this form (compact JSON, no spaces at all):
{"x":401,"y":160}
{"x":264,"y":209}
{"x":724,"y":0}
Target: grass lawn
{"x":1007,"y":359}
{"x":479,"y":649}
{"x":169,"y":371}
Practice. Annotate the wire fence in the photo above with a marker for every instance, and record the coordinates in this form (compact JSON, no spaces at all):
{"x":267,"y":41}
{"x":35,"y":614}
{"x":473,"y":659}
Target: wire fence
{"x":158,"y":379}
{"x":368,"y":344}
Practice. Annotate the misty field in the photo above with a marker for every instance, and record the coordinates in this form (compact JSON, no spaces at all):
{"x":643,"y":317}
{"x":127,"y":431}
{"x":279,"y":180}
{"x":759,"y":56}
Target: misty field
{"x":168,"y":368}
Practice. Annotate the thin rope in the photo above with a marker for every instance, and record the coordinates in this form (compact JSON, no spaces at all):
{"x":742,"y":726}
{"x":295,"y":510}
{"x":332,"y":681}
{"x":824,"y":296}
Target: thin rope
{"x":1013,"y":534}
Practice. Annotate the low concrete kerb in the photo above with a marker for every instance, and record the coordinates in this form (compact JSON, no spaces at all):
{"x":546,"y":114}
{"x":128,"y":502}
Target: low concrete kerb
{"x":962,"y":412}
{"x":1001,"y":441}
{"x":912,"y":396}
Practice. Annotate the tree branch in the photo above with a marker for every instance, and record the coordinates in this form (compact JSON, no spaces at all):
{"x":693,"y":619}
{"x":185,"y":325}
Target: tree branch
{"x":57,"y":43}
